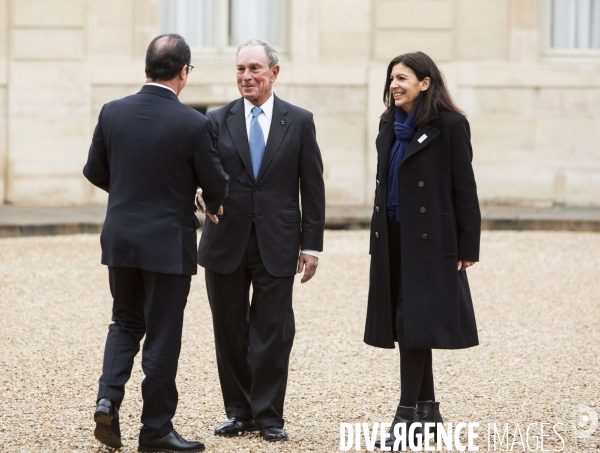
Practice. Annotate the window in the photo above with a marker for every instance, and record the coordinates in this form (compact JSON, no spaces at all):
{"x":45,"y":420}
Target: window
{"x":199,"y":108}
{"x":263,"y":19}
{"x":575,"y":24}
{"x":222,"y":24}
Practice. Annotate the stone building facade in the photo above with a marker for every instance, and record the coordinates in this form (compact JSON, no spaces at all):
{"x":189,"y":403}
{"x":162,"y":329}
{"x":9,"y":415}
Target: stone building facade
{"x":527,"y":72}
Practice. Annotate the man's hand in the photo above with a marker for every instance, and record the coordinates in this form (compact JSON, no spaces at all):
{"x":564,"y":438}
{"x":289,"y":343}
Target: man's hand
{"x":214,"y":217}
{"x":202,"y":207}
{"x":462,"y":265}
{"x":200,"y":201}
{"x":309,"y":264}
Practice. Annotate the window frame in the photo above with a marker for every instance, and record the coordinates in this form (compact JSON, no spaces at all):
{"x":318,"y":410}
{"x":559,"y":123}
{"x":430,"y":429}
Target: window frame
{"x":546,"y":39}
{"x":222,"y":50}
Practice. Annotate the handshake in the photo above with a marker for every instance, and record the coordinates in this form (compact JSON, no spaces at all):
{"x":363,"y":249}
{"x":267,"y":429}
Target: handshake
{"x":202,"y":207}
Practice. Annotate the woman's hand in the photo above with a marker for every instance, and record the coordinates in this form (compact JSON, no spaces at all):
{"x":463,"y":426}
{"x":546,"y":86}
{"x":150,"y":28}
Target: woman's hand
{"x":462,"y":265}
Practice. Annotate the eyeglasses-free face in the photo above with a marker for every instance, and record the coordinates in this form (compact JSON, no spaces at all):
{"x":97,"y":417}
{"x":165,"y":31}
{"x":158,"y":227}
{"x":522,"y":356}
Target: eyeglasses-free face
{"x":406,"y":87}
{"x":254,"y":76}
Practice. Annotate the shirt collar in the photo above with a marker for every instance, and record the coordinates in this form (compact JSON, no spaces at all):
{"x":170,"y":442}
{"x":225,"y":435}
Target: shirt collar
{"x":162,"y":86}
{"x":267,"y":107}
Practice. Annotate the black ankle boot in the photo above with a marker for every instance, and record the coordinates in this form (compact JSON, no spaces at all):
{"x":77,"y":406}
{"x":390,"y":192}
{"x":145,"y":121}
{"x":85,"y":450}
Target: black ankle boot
{"x":429,"y":412}
{"x":406,"y":415}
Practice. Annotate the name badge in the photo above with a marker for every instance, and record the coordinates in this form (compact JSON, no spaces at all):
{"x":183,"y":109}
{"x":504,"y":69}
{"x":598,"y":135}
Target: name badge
{"x":422,"y":138}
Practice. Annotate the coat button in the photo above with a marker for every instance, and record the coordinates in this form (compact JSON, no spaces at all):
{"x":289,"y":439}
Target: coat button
{"x":249,"y":214}
{"x":420,"y":184}
{"x":423,"y":236}
{"x":377,"y":208}
{"x":255,"y":190}
{"x":376,"y":234}
{"x":423,"y":210}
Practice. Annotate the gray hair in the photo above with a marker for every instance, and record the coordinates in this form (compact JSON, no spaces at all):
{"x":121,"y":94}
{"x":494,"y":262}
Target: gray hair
{"x":269,"y":50}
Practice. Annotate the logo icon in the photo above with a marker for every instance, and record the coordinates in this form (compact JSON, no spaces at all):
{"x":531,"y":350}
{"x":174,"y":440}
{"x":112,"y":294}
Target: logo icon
{"x":585,"y":422}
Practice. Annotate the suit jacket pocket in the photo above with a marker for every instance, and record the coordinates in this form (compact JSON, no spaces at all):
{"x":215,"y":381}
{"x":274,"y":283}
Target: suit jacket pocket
{"x":291,"y":215}
{"x":448,"y":230}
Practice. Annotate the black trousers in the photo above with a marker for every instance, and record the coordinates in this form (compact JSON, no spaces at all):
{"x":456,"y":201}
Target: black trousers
{"x":253,"y":340}
{"x":151,"y":304}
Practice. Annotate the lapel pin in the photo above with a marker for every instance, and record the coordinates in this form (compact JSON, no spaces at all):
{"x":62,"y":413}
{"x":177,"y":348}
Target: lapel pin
{"x":422,"y":138}
{"x":282,"y":122}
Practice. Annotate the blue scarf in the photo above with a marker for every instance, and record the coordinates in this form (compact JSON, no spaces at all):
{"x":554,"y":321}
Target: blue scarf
{"x":405,"y":128}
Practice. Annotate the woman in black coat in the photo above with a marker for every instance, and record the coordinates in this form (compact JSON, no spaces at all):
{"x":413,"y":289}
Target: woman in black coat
{"x":425,"y":231}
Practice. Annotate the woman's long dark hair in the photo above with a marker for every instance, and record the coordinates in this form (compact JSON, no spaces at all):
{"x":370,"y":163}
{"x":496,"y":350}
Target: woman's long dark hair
{"x":435,"y":99}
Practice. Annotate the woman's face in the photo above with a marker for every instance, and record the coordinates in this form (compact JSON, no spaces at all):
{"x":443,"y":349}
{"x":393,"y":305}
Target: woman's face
{"x":406,"y":87}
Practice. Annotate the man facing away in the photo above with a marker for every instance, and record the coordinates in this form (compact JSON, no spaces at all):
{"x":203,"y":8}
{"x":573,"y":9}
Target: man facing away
{"x":269,"y":150}
{"x":150,"y":152}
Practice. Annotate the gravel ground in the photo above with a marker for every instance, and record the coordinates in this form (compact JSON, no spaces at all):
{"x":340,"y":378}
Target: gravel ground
{"x":536,"y":299}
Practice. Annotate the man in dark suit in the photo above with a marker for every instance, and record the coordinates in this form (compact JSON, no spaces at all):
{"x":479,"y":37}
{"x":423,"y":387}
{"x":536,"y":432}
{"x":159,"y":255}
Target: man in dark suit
{"x":269,"y":149}
{"x":150,"y":152}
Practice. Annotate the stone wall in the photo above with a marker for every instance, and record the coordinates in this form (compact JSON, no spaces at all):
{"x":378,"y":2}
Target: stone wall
{"x":533,"y":114}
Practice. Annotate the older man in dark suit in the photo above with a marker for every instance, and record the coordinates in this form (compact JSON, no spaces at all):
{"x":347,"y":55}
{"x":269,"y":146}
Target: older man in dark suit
{"x":150,"y":152}
{"x":269,"y":149}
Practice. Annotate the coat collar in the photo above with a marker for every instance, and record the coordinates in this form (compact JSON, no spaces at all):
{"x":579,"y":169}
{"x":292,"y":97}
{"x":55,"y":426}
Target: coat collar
{"x":386,"y":138}
{"x":237,"y":128}
{"x":159,"y":91}
{"x":425,"y":135}
{"x":280,"y":123}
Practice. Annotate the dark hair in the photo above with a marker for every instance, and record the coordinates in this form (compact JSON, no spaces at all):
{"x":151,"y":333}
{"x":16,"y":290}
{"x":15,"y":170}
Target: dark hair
{"x":166,"y":56}
{"x":435,"y":99}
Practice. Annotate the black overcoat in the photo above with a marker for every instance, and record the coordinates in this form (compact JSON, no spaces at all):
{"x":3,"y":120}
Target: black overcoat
{"x":441,"y":224}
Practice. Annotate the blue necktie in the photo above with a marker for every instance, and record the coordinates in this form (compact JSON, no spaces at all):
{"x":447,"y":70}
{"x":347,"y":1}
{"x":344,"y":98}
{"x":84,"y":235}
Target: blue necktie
{"x":257,"y":141}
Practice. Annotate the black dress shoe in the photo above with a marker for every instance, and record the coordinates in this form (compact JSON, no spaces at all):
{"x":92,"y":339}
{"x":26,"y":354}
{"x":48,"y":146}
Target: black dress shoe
{"x":407,"y":415}
{"x":107,"y":424}
{"x":273,"y":434}
{"x":429,"y":412}
{"x":172,"y":442}
{"x":235,"y":427}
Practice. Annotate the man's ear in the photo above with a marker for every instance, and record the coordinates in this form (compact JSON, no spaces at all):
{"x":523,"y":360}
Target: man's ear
{"x":275,"y":70}
{"x":183,"y":72}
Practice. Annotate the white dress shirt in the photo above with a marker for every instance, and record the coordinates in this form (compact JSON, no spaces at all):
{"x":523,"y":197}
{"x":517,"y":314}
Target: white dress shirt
{"x":264,"y":120}
{"x":162,"y":86}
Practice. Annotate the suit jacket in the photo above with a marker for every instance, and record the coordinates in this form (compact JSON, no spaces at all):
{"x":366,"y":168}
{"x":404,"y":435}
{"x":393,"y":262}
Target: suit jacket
{"x":291,"y":167}
{"x":441,"y":224}
{"x":150,"y":152}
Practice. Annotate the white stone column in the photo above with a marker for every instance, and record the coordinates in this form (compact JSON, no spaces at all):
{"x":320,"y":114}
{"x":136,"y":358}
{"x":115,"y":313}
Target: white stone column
{"x":48,"y":102}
